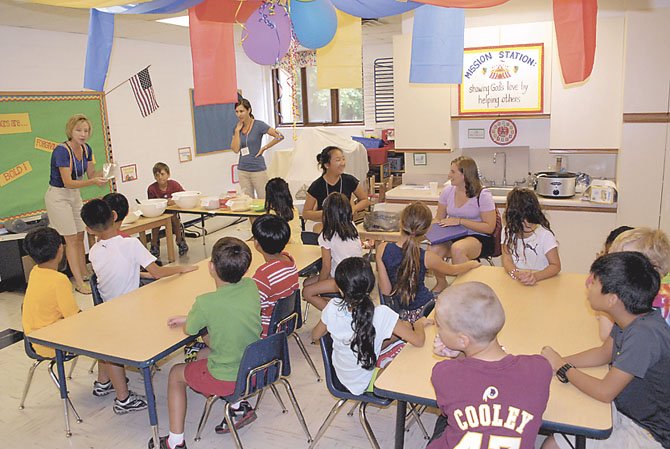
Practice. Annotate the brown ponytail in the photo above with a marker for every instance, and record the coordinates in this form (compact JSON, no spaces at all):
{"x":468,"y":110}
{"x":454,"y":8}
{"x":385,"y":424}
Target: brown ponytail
{"x":415,"y":221}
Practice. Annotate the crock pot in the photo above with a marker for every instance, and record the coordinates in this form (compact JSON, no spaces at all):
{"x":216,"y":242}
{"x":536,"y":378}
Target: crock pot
{"x":555,"y":184}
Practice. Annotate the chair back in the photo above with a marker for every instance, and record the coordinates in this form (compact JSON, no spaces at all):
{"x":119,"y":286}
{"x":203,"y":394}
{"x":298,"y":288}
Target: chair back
{"x":309,"y":238}
{"x":97,"y":299}
{"x":286,"y":315}
{"x":30,"y":351}
{"x":263,"y":363}
{"x":332,"y":382}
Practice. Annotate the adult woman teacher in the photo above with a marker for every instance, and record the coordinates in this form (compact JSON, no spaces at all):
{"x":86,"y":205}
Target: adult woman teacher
{"x":70,"y":161}
{"x":465,"y":202}
{"x":332,"y":163}
{"x":247,"y":140}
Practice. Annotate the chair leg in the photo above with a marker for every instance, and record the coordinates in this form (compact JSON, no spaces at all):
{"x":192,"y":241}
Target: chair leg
{"x":415,"y":416}
{"x":68,"y":402}
{"x":306,"y":354}
{"x":73,"y":364}
{"x":329,"y":419}
{"x":304,"y":315}
{"x":90,"y":370}
{"x":29,"y":380}
{"x":353,"y":409}
{"x":205,"y":415}
{"x":279,"y":399}
{"x":296,"y":408}
{"x":258,"y":400}
{"x":366,"y":426}
{"x":231,"y":426}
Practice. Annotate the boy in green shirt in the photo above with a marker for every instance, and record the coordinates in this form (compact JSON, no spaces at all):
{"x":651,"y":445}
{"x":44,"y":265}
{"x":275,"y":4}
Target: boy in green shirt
{"x":228,"y":337}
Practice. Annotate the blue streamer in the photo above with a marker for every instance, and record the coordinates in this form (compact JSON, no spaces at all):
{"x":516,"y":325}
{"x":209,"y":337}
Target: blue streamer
{"x":437,"y":45}
{"x":153,"y":7}
{"x":99,"y":49}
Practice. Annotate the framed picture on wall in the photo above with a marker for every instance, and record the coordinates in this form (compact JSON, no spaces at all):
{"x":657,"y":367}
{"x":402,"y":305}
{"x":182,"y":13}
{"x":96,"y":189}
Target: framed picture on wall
{"x":185,"y":154}
{"x":420,"y":159}
{"x":128,"y":172}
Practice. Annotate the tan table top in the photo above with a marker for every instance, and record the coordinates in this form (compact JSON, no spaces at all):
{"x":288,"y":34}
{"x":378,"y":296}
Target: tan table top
{"x":203,"y":211}
{"x":132,"y":328}
{"x":144,"y":223}
{"x":377,"y":235}
{"x":555,"y":313}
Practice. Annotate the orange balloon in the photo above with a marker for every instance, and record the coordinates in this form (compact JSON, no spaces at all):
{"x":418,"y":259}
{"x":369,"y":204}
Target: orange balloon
{"x":463,"y":3}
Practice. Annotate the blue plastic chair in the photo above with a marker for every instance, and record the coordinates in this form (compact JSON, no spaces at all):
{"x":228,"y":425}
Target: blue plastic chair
{"x":286,"y":317}
{"x":343,"y":395}
{"x":264,"y":363}
{"x":30,"y":352}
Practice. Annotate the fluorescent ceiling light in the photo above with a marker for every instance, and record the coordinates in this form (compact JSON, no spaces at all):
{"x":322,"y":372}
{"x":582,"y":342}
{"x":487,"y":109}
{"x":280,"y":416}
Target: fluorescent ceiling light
{"x":181,"y":21}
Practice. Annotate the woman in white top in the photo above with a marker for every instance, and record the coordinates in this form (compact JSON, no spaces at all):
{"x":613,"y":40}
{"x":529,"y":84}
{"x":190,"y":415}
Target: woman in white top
{"x":529,"y":247}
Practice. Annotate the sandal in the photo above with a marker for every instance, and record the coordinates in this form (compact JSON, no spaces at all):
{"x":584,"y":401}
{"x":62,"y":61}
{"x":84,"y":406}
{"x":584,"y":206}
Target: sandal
{"x":84,"y":289}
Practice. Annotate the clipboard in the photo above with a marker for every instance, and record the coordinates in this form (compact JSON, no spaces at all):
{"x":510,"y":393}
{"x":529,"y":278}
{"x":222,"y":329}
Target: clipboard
{"x":438,"y":234}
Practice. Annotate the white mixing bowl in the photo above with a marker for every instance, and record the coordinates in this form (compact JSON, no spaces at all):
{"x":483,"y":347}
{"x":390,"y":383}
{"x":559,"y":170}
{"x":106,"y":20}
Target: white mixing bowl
{"x":187,"y":199}
{"x":154,"y":207}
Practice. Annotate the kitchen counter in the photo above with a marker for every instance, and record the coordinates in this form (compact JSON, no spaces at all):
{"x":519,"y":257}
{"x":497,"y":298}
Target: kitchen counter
{"x":407,"y":193}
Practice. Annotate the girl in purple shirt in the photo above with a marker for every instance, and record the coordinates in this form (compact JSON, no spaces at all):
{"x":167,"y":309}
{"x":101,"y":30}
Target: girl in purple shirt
{"x":465,"y":202}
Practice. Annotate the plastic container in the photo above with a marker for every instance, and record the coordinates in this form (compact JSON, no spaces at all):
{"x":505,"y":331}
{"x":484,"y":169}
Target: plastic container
{"x":187,"y":199}
{"x":369,"y":142}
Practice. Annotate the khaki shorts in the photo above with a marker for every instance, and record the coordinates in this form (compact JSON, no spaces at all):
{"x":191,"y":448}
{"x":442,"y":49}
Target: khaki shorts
{"x":253,"y":180}
{"x":626,"y":434}
{"x":64,"y":209}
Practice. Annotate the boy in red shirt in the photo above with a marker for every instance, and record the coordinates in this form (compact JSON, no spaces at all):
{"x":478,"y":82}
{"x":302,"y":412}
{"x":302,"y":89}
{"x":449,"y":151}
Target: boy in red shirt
{"x":164,"y":187}
{"x":278,"y":277}
{"x":488,"y":398}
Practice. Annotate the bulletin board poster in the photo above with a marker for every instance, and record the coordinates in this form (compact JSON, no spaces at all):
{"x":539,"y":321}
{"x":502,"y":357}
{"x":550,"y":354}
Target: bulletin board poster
{"x":32,"y":124}
{"x":502,"y":79}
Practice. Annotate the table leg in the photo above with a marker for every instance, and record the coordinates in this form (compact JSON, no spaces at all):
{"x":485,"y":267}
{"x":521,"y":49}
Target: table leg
{"x":202,"y":221}
{"x":60,"y":362}
{"x":580,"y":442}
{"x":170,"y":240}
{"x":401,"y":411}
{"x":143,"y":238}
{"x":151,"y":403}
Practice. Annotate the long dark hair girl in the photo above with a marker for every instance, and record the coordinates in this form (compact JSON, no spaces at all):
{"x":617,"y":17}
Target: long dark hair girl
{"x":355,"y":279}
{"x":278,"y":198}
{"x":415,"y":221}
{"x":323,"y":158}
{"x":468,"y":167}
{"x":522,"y":204}
{"x":338,"y":218}
{"x":246,"y":105}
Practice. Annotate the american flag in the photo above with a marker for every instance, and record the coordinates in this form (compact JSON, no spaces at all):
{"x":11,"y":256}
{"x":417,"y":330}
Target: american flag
{"x":144,"y":92}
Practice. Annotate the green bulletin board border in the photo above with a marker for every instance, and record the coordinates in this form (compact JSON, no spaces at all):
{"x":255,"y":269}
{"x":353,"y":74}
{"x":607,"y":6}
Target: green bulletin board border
{"x":29,"y":190}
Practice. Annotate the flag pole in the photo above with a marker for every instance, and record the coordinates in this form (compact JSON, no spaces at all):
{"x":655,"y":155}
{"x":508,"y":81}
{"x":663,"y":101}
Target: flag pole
{"x":124,"y":82}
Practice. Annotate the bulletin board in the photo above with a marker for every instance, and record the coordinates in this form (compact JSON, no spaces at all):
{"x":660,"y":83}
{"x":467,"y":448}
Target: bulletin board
{"x":31,"y":125}
{"x":213,"y":126}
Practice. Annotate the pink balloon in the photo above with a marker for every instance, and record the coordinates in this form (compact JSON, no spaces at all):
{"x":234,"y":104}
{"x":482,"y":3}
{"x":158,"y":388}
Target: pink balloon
{"x":267,"y":36}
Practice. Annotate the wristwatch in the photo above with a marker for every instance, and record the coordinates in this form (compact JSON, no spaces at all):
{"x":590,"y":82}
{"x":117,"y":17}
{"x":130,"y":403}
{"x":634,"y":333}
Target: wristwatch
{"x":562,"y":372}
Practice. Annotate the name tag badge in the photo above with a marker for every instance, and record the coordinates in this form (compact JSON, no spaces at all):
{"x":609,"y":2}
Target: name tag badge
{"x":244,"y":151}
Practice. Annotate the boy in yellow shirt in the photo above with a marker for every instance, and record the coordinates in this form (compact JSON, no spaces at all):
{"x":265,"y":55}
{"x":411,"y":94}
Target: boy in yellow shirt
{"x":49,"y":294}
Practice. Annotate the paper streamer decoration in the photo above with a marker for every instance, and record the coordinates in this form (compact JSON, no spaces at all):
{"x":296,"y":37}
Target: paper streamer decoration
{"x":575,"y":24}
{"x":463,"y":3}
{"x":152,"y":7}
{"x":314,"y":22}
{"x":437,"y":45}
{"x":213,"y":54}
{"x":228,"y":11}
{"x":99,"y":49}
{"x":373,"y":9}
{"x":339,"y":64}
{"x":267,"y":34}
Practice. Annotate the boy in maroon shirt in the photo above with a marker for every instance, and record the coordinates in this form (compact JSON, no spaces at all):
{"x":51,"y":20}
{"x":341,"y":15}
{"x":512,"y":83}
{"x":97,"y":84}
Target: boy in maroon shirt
{"x":164,"y":187}
{"x":487,"y":397}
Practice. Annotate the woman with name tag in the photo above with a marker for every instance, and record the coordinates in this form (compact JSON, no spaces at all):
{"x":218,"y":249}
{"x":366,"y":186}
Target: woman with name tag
{"x":332,"y":162}
{"x":247,"y":140}
{"x":70,"y":161}
{"x":465,"y":202}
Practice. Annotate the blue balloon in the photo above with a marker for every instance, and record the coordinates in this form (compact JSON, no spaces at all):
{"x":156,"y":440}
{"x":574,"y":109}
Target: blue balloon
{"x":314,"y":22}
{"x":373,"y":9}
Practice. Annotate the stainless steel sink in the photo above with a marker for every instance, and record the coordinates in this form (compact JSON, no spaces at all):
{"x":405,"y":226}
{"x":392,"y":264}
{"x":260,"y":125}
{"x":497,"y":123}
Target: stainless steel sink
{"x":500,"y":191}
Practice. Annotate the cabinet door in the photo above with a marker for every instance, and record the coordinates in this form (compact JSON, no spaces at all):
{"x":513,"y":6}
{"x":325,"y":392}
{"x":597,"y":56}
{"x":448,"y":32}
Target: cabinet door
{"x":588,"y":115}
{"x":422,"y":111}
{"x":665,"y":199}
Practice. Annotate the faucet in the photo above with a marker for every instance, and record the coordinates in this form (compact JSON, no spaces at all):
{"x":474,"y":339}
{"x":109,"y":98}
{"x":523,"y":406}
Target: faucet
{"x":502,"y":153}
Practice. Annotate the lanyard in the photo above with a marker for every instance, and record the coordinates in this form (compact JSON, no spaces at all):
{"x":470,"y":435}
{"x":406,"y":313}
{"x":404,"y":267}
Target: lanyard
{"x":328,"y":186}
{"x":74,"y":161}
